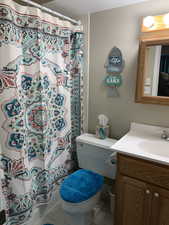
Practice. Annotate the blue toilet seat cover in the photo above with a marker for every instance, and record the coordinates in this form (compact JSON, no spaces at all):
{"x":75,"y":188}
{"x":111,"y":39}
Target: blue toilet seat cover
{"x":80,"y":186}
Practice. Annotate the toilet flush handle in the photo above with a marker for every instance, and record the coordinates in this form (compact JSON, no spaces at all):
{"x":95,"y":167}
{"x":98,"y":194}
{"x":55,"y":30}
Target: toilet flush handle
{"x":112,"y":160}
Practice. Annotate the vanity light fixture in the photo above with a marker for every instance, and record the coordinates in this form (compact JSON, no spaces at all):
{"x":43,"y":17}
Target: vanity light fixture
{"x":148,"y":21}
{"x":166,"y":19}
{"x":155,"y":23}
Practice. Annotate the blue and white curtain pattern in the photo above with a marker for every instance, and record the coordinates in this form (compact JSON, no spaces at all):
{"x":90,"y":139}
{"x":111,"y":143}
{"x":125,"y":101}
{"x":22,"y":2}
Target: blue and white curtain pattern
{"x":40,"y":105}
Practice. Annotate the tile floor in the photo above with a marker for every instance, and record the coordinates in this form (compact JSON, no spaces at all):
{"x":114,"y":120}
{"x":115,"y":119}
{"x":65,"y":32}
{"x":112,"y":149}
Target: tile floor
{"x":56,"y":217}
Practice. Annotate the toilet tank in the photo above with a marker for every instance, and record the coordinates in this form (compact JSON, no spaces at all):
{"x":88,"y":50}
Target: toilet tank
{"x":94,"y":154}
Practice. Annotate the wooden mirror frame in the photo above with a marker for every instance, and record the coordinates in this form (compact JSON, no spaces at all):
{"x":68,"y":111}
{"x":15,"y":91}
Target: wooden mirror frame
{"x":140,"y":97}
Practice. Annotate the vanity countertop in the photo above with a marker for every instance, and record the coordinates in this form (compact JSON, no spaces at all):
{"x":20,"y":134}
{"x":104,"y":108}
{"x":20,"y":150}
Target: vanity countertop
{"x":144,"y":141}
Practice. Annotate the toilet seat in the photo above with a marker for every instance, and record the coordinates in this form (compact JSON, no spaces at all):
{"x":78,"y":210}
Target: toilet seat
{"x":81,"y":186}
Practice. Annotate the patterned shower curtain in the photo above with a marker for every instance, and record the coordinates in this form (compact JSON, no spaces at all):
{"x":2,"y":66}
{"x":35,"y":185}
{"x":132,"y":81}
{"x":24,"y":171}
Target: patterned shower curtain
{"x":40,"y":105}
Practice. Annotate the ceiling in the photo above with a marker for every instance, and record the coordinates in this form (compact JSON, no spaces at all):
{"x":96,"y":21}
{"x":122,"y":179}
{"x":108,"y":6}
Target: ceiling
{"x":81,"y":7}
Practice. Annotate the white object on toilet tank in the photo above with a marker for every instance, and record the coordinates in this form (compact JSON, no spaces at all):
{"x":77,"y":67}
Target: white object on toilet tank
{"x":103,"y":120}
{"x":94,"y":154}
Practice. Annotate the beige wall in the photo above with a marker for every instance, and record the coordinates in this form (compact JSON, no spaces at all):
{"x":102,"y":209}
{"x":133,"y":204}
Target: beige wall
{"x":120,"y":27}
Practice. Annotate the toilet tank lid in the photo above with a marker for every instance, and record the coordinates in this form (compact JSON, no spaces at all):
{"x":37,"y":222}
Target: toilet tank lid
{"x":93,"y":140}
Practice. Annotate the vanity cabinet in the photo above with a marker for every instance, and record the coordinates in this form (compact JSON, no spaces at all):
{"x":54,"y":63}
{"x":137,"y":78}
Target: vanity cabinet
{"x":160,"y":207}
{"x":142,"y":192}
{"x":133,"y":204}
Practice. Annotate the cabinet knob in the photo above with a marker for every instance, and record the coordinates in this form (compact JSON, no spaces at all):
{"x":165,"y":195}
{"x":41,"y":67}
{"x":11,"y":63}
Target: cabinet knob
{"x":147,"y":192}
{"x":156,"y":195}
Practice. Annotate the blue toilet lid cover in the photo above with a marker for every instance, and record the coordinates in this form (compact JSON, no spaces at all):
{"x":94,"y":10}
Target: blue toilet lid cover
{"x":80,"y":186}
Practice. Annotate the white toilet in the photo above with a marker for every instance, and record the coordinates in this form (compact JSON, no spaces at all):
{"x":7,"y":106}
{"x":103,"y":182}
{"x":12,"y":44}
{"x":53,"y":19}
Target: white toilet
{"x":93,"y":155}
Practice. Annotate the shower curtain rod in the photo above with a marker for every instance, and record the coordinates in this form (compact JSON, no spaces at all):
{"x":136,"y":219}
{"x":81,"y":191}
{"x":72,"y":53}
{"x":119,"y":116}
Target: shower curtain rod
{"x":51,"y":11}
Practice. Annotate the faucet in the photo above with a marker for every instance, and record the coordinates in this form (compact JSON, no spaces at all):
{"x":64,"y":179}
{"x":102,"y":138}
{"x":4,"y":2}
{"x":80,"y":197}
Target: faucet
{"x":165,"y":135}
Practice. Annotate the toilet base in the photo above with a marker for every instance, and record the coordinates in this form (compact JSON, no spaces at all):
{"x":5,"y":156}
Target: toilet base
{"x":81,"y":213}
{"x":78,"y":218}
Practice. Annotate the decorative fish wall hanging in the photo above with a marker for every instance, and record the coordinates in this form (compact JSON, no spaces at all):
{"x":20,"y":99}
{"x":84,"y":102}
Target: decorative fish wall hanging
{"x":114,"y":67}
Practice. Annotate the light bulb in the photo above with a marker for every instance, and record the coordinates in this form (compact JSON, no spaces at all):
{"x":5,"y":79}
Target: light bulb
{"x":166,"y":19}
{"x":148,"y":21}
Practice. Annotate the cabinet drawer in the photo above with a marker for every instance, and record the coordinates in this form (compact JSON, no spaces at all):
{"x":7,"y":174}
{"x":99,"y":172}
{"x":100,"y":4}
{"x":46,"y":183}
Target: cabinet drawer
{"x":144,"y":170}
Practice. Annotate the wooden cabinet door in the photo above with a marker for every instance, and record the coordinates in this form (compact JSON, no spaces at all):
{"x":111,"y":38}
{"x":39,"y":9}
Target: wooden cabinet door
{"x":133,"y":202}
{"x":160,"y":206}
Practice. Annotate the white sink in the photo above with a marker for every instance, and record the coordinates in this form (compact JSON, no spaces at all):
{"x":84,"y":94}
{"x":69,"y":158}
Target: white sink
{"x":144,"y":141}
{"x":160,"y":148}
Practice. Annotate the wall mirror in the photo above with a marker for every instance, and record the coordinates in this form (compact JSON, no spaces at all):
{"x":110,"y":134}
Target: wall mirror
{"x":153,"y":72}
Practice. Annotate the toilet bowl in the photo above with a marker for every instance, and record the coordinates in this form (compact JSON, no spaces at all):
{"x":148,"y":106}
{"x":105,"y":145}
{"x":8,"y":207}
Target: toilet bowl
{"x":80,"y":192}
{"x":80,"y":213}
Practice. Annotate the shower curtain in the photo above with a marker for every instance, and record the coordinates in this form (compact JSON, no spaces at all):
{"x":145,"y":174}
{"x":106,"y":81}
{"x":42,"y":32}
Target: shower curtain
{"x":40,"y":105}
